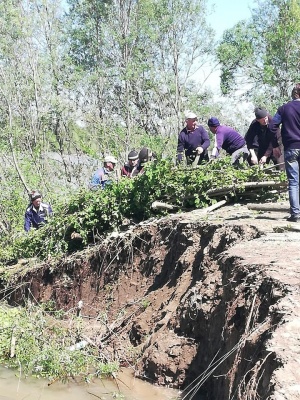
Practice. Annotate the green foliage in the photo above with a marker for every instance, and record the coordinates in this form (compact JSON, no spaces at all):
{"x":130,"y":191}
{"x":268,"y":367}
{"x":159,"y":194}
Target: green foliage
{"x":43,"y":345}
{"x":90,"y":214}
{"x":263,"y":52}
{"x":145,"y":303}
{"x":235,"y":53}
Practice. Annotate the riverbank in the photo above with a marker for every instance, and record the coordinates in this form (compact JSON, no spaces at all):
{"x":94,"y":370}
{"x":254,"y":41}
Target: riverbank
{"x":207,"y":300}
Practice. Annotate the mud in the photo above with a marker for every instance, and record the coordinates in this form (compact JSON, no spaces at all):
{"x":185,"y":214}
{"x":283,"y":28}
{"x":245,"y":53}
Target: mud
{"x":206,"y":304}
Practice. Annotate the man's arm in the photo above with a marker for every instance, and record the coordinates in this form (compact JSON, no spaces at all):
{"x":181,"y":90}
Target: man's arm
{"x":180,"y":149}
{"x":250,"y":135}
{"x":275,"y":123}
{"x":27,"y":221}
{"x":215,"y":150}
{"x":205,"y":139}
{"x":253,"y":157}
{"x":268,"y":152}
{"x":50,"y":212}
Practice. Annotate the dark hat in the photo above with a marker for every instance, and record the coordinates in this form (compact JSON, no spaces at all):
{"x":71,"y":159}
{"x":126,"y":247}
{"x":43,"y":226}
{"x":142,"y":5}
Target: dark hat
{"x":213,"y":121}
{"x":34,"y":195}
{"x":144,"y":155}
{"x":260,"y":112}
{"x":133,"y":155}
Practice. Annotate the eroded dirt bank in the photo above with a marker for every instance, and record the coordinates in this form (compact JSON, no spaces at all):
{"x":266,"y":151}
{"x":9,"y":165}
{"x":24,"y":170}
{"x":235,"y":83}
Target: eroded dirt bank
{"x":190,"y":299}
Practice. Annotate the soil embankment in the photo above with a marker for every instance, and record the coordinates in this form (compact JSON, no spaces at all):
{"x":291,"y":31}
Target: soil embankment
{"x":210,"y":301}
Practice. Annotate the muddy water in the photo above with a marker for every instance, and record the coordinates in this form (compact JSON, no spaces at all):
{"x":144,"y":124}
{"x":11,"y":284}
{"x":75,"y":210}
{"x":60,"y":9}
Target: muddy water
{"x":126,"y":387}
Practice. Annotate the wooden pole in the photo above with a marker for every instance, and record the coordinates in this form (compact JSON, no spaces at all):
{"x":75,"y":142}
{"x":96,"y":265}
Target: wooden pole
{"x":246,"y":185}
{"x":268,"y":207}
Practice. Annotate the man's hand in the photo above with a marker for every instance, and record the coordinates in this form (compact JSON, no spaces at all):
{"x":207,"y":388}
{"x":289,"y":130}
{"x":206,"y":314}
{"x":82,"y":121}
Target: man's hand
{"x":263,"y":160}
{"x":199,"y":150}
{"x":276,"y":152}
{"x":254,"y":160}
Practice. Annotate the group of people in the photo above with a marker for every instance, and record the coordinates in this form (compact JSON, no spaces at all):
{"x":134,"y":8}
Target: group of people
{"x":37,"y":212}
{"x":259,"y":146}
{"x":263,"y":142}
{"x":133,"y":166}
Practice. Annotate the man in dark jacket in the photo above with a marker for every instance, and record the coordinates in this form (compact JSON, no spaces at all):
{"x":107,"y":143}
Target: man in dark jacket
{"x":193,"y":141}
{"x":262,"y":144}
{"x":145,"y":155}
{"x":37,"y":213}
{"x":288,"y":116}
{"x":229,"y":140}
{"x":133,"y":157}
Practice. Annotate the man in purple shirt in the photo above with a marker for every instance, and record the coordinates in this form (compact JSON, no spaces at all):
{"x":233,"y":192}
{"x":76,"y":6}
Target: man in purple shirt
{"x":288,"y":116}
{"x":193,"y":140}
{"x":229,"y":140}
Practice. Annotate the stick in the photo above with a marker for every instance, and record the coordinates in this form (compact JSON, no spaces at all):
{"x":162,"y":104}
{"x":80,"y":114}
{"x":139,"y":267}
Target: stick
{"x":10,"y":140}
{"x":214,"y":206}
{"x":13,"y":343}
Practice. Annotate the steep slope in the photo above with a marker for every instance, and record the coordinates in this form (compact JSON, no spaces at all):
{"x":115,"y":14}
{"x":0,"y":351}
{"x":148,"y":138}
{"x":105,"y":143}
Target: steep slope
{"x":208,"y":304}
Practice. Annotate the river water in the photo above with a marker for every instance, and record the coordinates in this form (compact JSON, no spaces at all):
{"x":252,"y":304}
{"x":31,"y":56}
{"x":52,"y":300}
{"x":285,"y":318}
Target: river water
{"x":125,"y":387}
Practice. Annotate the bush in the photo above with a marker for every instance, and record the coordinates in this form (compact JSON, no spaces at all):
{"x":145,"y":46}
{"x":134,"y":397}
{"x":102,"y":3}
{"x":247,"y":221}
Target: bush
{"x":90,"y":214}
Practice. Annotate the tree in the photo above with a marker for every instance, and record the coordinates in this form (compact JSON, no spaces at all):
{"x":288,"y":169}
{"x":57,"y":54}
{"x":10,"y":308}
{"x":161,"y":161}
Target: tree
{"x":263,"y":53}
{"x":147,"y":55}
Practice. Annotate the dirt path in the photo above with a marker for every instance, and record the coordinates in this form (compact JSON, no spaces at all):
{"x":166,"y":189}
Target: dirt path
{"x":277,"y":254}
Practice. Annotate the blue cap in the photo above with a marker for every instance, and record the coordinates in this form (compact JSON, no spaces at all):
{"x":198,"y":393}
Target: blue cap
{"x":213,"y":121}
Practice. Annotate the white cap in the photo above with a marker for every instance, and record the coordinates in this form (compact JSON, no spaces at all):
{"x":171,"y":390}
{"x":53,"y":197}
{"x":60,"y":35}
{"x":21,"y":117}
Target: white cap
{"x":190,"y":115}
{"x":110,"y":159}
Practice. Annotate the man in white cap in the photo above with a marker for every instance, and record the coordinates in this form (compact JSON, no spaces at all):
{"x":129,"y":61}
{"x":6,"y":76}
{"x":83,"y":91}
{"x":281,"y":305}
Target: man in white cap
{"x":103,"y":175}
{"x":193,"y":141}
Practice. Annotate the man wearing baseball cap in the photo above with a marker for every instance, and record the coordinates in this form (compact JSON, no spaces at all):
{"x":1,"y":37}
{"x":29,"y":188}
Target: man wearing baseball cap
{"x":229,"y":140}
{"x":193,"y":141}
{"x":37,"y":213}
{"x":104,"y":174}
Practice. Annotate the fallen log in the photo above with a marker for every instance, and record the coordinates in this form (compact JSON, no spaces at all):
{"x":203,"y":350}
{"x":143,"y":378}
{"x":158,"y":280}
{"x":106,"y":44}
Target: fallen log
{"x":246,"y":185}
{"x":268,"y":207}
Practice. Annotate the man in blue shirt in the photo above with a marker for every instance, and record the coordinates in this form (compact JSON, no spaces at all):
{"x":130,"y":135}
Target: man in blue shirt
{"x":288,"y":116}
{"x":103,"y":175}
{"x":193,"y":141}
{"x":37,"y":213}
{"x":229,"y":140}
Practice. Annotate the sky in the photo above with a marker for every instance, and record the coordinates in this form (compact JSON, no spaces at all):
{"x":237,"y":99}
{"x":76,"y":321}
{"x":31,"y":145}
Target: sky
{"x":226,"y":13}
